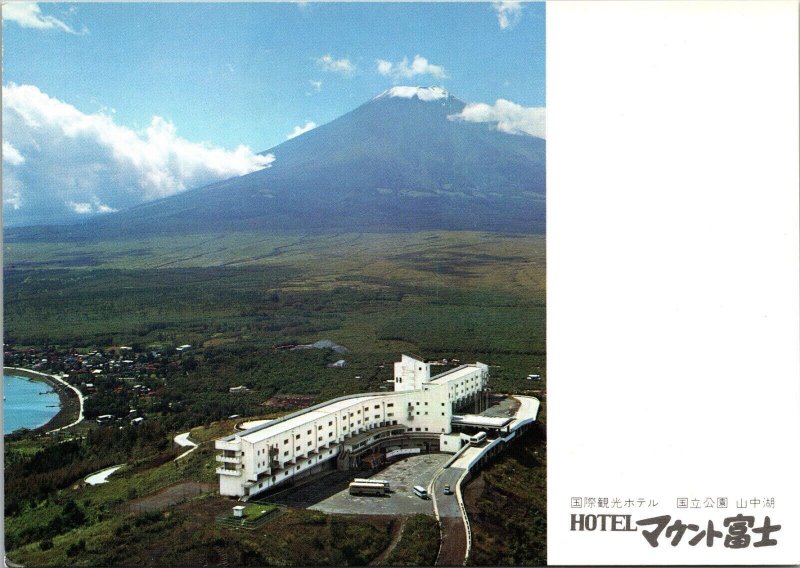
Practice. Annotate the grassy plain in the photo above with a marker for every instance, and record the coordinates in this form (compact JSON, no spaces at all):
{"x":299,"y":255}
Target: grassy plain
{"x":419,"y":543}
{"x":459,"y":295}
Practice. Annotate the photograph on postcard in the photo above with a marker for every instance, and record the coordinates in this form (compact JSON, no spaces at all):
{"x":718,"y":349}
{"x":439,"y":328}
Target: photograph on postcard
{"x":274,"y":284}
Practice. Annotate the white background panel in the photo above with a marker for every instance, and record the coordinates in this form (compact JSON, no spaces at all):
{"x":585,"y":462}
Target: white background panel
{"x":673,"y":262}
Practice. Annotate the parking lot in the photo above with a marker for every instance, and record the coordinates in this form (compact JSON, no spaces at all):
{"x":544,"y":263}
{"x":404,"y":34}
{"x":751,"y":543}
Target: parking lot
{"x":402,"y":477}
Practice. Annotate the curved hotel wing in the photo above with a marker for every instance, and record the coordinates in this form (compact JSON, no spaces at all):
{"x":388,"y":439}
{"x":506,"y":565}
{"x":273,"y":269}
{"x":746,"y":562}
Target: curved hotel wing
{"x":417,"y":414}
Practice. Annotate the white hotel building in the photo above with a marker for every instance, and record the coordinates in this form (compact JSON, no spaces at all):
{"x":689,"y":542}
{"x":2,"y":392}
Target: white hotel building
{"x":338,"y":432}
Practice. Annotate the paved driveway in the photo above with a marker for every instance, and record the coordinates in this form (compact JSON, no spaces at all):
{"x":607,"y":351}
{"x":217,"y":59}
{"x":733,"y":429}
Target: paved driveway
{"x":402,"y":477}
{"x":447,"y":504}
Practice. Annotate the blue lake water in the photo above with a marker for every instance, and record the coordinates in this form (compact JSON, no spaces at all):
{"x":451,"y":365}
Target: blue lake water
{"x":24,"y":406}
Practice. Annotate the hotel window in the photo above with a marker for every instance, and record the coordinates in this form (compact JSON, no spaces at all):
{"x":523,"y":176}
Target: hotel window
{"x":390,"y":405}
{"x":297,"y":449}
{"x":286,"y":441}
{"x":319,"y":427}
{"x":309,"y":432}
{"x":330,"y":434}
{"x":309,"y":443}
{"x":319,"y":439}
{"x":377,"y":406}
{"x":297,"y":437}
{"x":330,"y":423}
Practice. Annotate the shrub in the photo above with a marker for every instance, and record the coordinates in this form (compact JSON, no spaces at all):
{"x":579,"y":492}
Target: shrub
{"x":46,"y":544}
{"x":76,"y":548}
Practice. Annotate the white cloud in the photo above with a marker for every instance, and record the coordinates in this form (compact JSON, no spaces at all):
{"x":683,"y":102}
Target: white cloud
{"x":506,"y":116}
{"x":404,"y":70}
{"x":11,"y":155}
{"x":298,"y":130}
{"x":508,"y":13}
{"x":91,"y":207}
{"x":385,"y":67}
{"x":29,"y":15}
{"x":342,"y":66}
{"x":12,"y":191}
{"x":81,"y":208}
{"x":72,"y":158}
{"x":316,"y":84}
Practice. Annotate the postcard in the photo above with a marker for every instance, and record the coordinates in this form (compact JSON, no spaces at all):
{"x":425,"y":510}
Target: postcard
{"x":400,"y":283}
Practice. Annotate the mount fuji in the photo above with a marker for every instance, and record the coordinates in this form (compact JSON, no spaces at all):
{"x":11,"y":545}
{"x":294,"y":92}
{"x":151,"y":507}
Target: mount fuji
{"x":402,"y":161}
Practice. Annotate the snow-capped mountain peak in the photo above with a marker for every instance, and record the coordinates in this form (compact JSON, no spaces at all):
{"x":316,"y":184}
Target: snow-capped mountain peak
{"x":422,"y":93}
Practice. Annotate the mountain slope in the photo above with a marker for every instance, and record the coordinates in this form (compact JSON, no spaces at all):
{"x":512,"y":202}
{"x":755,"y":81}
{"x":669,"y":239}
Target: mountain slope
{"x":395,"y":163}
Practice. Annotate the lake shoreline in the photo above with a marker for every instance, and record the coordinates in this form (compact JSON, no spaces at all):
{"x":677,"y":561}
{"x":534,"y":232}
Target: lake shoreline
{"x":69,"y":406}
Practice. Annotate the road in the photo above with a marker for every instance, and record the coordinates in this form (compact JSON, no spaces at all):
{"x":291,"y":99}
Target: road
{"x":447,"y":505}
{"x":453,"y":549}
{"x":10,"y":564}
{"x":454,"y":542}
{"x":184,"y":441}
{"x":465,"y":459}
{"x":529,"y":408}
{"x":101,"y":476}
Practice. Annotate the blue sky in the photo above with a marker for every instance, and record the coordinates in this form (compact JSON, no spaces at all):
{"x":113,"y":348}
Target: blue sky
{"x":225,"y":75}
